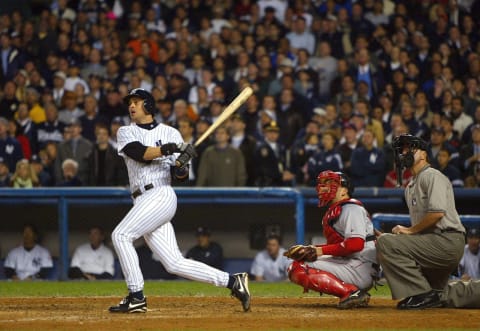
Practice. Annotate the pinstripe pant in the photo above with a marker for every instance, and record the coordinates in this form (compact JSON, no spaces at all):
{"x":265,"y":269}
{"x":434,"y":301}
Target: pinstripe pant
{"x":150,"y":217}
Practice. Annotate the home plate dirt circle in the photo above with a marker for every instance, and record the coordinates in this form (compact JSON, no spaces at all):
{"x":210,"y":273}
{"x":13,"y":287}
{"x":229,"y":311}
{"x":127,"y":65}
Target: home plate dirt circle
{"x":220,"y":313}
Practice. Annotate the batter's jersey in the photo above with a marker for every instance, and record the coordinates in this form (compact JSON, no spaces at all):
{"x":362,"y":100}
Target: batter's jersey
{"x":354,"y":222}
{"x":93,"y":261}
{"x":156,"y":171}
{"x":271,"y":270}
{"x":28,"y":263}
{"x":430,"y":191}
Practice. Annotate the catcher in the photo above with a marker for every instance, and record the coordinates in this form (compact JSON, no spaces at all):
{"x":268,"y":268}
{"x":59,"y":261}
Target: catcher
{"x":345,"y":265}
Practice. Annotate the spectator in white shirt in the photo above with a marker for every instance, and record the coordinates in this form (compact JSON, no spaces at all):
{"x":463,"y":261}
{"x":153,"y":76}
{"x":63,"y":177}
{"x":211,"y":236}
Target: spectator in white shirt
{"x":469,"y":267}
{"x":30,"y":260}
{"x":270,"y":265}
{"x":92,"y":260}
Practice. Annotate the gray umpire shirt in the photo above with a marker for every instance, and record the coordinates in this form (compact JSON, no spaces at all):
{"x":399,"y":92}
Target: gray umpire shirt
{"x":431,"y":191}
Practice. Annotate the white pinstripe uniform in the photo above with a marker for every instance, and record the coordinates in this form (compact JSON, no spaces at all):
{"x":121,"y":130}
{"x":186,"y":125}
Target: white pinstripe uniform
{"x":152,"y":211}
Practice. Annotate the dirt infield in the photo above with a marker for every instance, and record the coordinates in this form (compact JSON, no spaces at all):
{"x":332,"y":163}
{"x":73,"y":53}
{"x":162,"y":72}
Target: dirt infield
{"x":215,"y":313}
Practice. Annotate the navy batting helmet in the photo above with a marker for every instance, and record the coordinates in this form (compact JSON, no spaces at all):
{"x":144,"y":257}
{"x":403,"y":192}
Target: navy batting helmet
{"x":148,"y":100}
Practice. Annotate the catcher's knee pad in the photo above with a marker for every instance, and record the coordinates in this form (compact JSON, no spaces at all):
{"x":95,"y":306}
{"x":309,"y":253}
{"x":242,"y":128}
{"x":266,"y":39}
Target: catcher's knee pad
{"x":297,"y":273}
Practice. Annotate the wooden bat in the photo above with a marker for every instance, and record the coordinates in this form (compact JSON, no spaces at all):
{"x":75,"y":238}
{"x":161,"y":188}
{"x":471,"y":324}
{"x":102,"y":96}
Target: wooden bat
{"x":227,"y":112}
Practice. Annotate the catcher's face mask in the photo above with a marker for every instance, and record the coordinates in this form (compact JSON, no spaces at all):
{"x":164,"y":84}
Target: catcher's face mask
{"x":328,"y":183}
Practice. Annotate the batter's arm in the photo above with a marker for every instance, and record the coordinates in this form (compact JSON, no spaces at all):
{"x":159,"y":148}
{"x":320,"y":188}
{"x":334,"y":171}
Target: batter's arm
{"x":142,"y":153}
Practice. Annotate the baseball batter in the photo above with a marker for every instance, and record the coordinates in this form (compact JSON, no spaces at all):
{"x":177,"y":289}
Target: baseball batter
{"x":153,"y":153}
{"x":344,"y":266}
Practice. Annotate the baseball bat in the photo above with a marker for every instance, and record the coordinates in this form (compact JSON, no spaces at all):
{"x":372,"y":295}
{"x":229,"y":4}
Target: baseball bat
{"x":227,"y":112}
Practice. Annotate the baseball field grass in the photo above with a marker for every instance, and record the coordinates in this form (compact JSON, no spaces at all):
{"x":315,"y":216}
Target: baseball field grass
{"x":186,"y":305}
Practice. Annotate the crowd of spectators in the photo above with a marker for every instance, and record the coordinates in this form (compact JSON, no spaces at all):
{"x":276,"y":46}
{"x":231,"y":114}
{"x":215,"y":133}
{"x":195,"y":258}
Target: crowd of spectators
{"x":334,"y":81}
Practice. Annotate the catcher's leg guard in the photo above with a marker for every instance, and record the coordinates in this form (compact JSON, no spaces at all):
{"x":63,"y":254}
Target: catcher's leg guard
{"x":319,"y":281}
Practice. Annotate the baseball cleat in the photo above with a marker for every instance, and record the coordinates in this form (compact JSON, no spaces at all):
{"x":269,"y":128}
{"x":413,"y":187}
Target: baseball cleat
{"x":130,"y":305}
{"x":356,"y":299}
{"x":240,"y":290}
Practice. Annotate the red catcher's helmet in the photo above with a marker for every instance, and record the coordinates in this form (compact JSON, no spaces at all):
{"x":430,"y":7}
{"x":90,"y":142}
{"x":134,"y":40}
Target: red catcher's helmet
{"x":328,"y":183}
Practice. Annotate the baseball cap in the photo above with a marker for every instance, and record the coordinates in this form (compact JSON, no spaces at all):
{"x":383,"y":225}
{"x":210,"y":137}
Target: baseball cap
{"x":35,"y":158}
{"x":60,"y":74}
{"x":286,"y":62}
{"x":272,"y":126}
{"x":2,"y":160}
{"x":319,"y":111}
{"x":473,"y":232}
{"x":203,"y":231}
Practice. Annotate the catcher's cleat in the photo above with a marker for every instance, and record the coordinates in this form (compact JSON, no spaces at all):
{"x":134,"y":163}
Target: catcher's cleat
{"x":130,"y":304}
{"x":240,"y":290}
{"x":356,"y":299}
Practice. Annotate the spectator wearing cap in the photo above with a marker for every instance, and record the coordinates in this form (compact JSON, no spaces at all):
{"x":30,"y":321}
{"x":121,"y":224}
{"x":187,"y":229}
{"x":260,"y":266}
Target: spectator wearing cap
{"x":246,"y":144}
{"x":368,"y":163}
{"x":9,"y":102}
{"x":74,"y":78}
{"x":70,"y":110}
{"x":269,"y":264}
{"x":451,"y":136}
{"x":348,"y":143}
{"x":10,"y":149}
{"x":469,"y":267}
{"x":327,"y":158}
{"x":437,"y":142}
{"x":206,"y":250}
{"x":300,"y":37}
{"x":79,"y":150}
{"x":44,"y":177}
{"x":11,"y":59}
{"x":447,"y":168}
{"x":59,"y":78}
{"x":470,"y":153}
{"x":305,"y":146}
{"x":221,"y":164}
{"x":52,"y":129}
{"x":270,"y":159}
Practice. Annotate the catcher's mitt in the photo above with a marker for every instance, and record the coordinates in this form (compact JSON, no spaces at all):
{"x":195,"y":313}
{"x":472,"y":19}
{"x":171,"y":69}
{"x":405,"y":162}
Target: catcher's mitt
{"x":302,"y":253}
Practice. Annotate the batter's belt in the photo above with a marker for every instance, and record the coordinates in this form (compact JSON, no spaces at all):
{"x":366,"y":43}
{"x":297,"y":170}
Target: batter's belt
{"x":139,"y":191}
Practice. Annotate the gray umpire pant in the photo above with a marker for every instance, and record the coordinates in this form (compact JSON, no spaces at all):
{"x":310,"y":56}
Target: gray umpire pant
{"x":415,"y":264}
{"x":460,"y":294}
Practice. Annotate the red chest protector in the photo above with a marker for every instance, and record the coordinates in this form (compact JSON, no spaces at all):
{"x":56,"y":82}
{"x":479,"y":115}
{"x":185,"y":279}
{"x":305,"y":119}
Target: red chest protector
{"x":331,"y":217}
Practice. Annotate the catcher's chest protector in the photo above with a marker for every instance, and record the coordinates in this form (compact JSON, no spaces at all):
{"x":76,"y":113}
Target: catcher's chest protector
{"x":331,"y":217}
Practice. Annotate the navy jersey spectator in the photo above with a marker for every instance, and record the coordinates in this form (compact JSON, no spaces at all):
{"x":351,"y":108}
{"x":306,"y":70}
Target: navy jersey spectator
{"x":368,"y":163}
{"x":10,"y":148}
{"x":326,"y":159}
{"x":448,"y":169}
{"x":206,"y":250}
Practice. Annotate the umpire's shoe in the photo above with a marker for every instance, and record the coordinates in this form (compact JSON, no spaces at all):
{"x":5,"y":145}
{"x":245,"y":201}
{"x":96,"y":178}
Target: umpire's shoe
{"x":130,"y":304}
{"x":357,"y":299}
{"x":240,"y":290}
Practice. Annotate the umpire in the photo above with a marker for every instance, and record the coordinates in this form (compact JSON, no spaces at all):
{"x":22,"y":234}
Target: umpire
{"x":418,"y":260}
